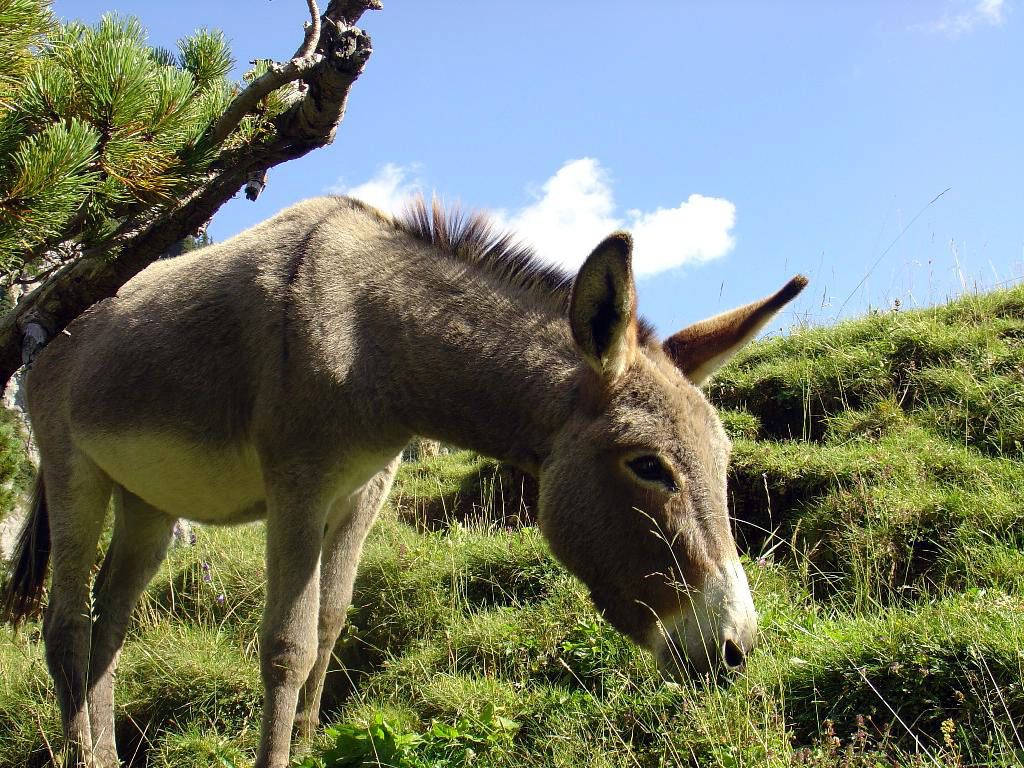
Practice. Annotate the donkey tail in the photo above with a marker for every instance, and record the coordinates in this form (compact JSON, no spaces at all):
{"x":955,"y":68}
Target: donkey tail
{"x":23,"y":589}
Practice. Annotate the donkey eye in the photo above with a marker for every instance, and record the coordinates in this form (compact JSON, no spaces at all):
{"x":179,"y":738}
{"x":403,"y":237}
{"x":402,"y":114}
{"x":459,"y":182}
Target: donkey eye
{"x":653,"y":470}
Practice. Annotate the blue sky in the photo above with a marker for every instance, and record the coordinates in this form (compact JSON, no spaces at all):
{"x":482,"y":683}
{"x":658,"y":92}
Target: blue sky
{"x":741,"y":141}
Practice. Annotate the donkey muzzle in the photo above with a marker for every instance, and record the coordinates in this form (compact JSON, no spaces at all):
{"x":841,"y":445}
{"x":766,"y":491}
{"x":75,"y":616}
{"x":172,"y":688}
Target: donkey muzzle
{"x":715,"y":630}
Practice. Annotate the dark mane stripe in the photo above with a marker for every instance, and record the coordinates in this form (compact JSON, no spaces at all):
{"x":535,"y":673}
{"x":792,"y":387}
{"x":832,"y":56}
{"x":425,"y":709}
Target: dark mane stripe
{"x":474,"y":239}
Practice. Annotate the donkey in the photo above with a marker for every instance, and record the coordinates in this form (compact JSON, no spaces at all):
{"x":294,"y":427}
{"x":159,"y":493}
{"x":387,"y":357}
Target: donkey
{"x":278,"y":375}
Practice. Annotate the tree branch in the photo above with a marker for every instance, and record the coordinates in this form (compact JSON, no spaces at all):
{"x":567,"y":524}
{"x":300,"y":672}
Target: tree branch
{"x":340,"y":56}
{"x":260,"y":88}
{"x":255,"y":184}
{"x":312,"y":32}
{"x":347,"y":12}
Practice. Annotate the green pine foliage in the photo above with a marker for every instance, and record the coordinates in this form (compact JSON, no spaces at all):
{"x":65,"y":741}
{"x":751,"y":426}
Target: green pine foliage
{"x":195,"y":242}
{"x":96,"y":125}
{"x":22,"y":25}
{"x":101,"y":122}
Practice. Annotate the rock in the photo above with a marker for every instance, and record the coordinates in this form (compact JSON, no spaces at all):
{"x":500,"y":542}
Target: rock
{"x":10,"y":527}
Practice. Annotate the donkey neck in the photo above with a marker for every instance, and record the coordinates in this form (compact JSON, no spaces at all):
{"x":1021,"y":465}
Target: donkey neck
{"x":476,"y":364}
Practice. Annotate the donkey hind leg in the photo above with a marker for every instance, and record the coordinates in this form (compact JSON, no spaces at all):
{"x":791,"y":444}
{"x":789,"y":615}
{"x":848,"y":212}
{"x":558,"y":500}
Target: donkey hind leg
{"x":295,"y":532}
{"x":77,"y":492}
{"x":141,"y":536}
{"x":349,"y":522}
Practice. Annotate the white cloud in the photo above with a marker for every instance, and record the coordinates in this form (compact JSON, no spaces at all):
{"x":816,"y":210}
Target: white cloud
{"x":575,"y":209}
{"x":390,"y":189}
{"x":978,"y":13}
{"x":696,"y":231}
{"x":992,"y":11}
{"x":570,"y":215}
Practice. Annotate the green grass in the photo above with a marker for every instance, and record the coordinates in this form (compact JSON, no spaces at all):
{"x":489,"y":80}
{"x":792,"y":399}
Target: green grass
{"x":463,"y":487}
{"x":876,"y":484}
{"x":16,"y":470}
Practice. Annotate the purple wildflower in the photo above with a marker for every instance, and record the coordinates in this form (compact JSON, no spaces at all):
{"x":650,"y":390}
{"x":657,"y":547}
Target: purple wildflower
{"x":220,"y":599}
{"x":207,"y":574}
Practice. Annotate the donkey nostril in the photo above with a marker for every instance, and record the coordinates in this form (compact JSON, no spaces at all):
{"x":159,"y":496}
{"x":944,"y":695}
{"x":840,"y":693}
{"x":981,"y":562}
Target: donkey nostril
{"x":733,"y":654}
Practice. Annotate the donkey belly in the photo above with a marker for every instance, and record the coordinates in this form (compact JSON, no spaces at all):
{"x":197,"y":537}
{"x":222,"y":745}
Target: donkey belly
{"x":205,"y":483}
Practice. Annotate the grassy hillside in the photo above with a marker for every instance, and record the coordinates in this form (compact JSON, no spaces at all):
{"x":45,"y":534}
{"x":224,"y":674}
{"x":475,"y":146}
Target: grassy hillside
{"x":877,"y":481}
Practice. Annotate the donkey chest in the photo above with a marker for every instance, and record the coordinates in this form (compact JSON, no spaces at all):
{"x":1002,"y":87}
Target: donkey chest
{"x":214,"y":484}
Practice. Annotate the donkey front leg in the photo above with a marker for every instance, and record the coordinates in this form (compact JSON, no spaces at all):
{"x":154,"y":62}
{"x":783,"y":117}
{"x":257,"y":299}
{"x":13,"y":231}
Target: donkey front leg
{"x":295,"y":532}
{"x":349,"y":522}
{"x":141,"y":536}
{"x":76,"y":495}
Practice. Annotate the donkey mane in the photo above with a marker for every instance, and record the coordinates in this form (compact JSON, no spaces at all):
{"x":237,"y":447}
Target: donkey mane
{"x":475,"y":239}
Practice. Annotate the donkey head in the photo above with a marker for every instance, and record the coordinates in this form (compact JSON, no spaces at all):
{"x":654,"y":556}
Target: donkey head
{"x":633,"y":493}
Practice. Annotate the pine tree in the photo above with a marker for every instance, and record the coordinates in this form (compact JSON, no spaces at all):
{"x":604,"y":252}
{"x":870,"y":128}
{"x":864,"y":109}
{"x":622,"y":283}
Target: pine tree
{"x":113,"y":151}
{"x":98,"y":125}
{"x":196,"y":241}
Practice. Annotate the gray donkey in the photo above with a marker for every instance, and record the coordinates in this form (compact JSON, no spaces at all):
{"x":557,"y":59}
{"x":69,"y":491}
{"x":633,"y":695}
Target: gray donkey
{"x":278,"y":375}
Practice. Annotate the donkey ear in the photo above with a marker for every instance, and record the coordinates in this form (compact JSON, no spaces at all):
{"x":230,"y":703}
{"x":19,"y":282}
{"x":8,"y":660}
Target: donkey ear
{"x":602,"y":310}
{"x":701,"y":349}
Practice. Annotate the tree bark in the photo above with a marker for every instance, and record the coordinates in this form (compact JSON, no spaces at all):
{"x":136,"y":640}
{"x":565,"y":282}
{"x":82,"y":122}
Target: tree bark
{"x":329,"y":71}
